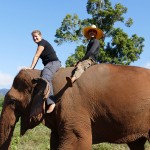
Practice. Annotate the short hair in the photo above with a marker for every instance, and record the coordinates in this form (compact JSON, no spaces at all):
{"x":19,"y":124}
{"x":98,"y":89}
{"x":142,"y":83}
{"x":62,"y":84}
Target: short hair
{"x":36,"y":31}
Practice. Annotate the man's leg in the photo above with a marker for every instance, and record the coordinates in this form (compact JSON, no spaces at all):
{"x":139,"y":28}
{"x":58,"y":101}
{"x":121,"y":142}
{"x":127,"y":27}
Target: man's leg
{"x":80,"y":68}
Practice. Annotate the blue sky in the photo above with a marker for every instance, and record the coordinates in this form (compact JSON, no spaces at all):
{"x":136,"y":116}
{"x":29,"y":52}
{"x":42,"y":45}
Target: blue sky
{"x":19,"y":18}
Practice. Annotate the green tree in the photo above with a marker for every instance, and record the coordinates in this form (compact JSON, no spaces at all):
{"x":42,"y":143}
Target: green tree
{"x":117,"y":48}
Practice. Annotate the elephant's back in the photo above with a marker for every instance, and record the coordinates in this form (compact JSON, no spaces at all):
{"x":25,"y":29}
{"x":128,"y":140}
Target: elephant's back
{"x":117,"y":79}
{"x":107,"y":76}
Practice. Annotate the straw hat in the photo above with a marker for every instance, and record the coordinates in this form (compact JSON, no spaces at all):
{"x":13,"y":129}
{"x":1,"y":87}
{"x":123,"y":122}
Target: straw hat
{"x":92,"y":27}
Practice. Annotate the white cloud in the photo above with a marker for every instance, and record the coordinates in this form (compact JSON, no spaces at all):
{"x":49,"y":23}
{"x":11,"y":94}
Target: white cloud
{"x":20,"y":67}
{"x":147,"y":65}
{"x":5,"y":80}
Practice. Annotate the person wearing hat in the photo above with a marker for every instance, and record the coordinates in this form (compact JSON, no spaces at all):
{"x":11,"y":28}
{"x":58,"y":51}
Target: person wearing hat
{"x":51,"y":63}
{"x":93,"y":34}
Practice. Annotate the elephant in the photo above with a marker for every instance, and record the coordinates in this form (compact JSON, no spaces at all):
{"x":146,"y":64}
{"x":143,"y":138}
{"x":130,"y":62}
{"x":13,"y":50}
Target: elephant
{"x":108,"y":103}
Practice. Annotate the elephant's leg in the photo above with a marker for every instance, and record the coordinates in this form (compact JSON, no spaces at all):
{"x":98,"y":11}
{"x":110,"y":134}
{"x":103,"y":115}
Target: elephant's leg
{"x":54,"y":141}
{"x":84,"y":142}
{"x":138,"y":144}
{"x":76,"y":140}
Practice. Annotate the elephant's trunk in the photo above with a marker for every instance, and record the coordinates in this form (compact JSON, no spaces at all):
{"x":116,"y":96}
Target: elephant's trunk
{"x":7,"y":125}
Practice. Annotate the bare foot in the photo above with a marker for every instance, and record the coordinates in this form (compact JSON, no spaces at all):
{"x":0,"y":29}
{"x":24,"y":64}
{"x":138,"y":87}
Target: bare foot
{"x":51,"y":108}
{"x":73,"y":79}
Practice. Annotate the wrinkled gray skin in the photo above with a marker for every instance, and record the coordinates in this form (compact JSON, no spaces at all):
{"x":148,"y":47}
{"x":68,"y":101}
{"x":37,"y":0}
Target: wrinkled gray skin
{"x":108,"y":103}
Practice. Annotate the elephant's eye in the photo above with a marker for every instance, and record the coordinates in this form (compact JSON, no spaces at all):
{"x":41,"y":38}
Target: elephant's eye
{"x":12,"y":101}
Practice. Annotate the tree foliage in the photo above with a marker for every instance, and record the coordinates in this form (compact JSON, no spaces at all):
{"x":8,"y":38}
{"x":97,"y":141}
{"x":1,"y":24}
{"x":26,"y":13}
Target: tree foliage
{"x":117,"y":48}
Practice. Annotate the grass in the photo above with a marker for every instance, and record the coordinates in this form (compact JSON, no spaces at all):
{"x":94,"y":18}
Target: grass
{"x":39,"y":139}
{"x":35,"y":139}
{"x":1,"y":103}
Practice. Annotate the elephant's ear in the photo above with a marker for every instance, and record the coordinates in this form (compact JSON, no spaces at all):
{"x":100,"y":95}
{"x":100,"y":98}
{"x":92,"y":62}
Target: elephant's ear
{"x":40,"y":95}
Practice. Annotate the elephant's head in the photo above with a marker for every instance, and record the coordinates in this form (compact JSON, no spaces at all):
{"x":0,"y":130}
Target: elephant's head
{"x":18,"y":102}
